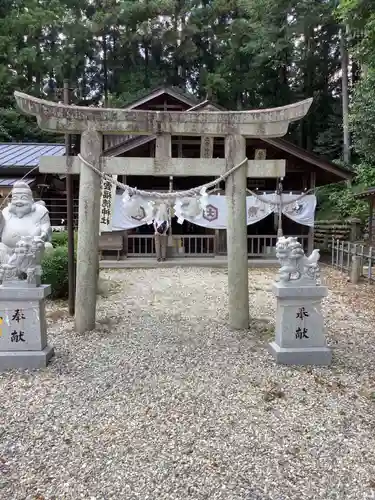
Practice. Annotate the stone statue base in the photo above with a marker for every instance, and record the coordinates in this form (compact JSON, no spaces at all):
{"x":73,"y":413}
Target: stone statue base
{"x":23,"y":327}
{"x":299,"y":335}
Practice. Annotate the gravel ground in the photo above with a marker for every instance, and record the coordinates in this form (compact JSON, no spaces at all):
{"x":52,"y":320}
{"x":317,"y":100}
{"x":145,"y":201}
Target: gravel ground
{"x":162,"y":401}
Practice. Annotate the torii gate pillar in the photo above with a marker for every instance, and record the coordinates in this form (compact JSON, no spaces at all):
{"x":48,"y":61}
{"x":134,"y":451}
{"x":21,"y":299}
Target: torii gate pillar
{"x":88,"y":234}
{"x":235,"y":191}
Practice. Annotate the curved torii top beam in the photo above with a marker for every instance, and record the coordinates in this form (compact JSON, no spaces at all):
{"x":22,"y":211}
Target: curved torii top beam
{"x":62,"y":118}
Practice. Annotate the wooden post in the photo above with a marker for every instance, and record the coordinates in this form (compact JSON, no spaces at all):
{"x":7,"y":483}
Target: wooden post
{"x":170,"y":237}
{"x":207,"y":151}
{"x":370,"y":262}
{"x":163,"y":151}
{"x":355,"y":229}
{"x":126,"y":240}
{"x":217,"y":241}
{"x":235,"y":191}
{"x":207,"y":147}
{"x":370,"y":221}
{"x":163,"y":146}
{"x":88,"y":233}
{"x":355,"y":269}
{"x":179,"y":147}
{"x":69,"y":217}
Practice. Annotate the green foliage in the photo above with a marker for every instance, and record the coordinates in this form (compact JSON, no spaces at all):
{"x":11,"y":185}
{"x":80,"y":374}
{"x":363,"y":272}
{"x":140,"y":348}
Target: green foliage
{"x":55,"y":272}
{"x":55,"y":265}
{"x":60,"y":239}
{"x":14,"y":125}
{"x":339,"y":201}
{"x":359,"y":17}
{"x":363,"y":117}
{"x":242,"y":53}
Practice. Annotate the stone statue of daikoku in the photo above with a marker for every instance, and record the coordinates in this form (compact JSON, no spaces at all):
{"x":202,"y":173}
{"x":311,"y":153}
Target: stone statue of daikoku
{"x":23,"y":218}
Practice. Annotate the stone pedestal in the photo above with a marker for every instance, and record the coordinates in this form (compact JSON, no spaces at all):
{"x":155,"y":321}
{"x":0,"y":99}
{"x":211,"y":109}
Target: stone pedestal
{"x":23,"y":327}
{"x":299,"y":335}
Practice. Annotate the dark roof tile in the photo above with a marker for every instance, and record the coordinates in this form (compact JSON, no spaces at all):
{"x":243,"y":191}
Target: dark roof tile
{"x":14,"y":154}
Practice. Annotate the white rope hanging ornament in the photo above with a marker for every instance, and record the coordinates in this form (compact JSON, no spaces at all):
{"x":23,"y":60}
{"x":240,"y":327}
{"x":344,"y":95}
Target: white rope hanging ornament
{"x":276,"y":203}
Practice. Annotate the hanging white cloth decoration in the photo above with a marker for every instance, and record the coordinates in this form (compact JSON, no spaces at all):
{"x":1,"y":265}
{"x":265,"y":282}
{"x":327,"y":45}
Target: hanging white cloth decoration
{"x":214,"y":216}
{"x":301,"y":210}
{"x":257,"y":210}
{"x":213,"y":213}
{"x":122,"y":219}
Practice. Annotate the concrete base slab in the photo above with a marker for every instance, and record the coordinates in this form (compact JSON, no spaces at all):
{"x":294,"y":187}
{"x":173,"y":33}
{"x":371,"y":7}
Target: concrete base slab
{"x":25,"y":360}
{"x":304,"y":356}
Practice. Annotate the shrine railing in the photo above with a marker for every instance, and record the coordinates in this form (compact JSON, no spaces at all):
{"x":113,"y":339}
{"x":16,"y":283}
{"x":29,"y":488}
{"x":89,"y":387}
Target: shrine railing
{"x":261,"y":245}
{"x":264,"y":245}
{"x":343,"y":254}
{"x":203,"y":245}
{"x":57,"y":208}
{"x":142,"y":245}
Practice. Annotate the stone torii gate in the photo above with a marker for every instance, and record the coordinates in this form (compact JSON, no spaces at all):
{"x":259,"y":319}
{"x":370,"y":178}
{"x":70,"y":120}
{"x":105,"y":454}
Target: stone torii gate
{"x":92,"y":123}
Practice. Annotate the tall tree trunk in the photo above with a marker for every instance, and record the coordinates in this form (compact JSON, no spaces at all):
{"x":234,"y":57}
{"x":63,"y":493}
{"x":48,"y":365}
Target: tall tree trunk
{"x":308,"y":89}
{"x":105,"y":69}
{"x":176,"y":65}
{"x":345,"y":97}
{"x":146,"y":80}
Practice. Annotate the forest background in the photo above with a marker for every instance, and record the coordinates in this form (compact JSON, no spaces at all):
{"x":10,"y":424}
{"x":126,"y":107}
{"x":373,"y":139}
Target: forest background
{"x":242,"y":54}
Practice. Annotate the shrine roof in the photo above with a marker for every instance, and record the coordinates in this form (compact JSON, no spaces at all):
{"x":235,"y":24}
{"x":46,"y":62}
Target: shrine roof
{"x":310,"y":157}
{"x":175,"y":92}
{"x":284,"y":145}
{"x":8,"y":182}
{"x":13,"y":154}
{"x":280,"y":143}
